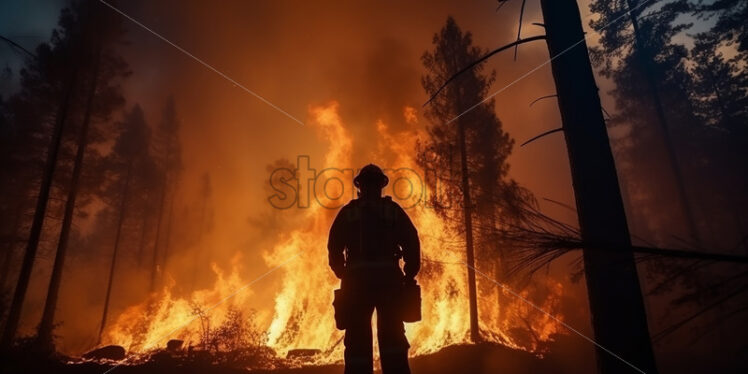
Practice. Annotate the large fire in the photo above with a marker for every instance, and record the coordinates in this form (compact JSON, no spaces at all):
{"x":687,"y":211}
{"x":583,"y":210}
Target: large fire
{"x":302,"y":316}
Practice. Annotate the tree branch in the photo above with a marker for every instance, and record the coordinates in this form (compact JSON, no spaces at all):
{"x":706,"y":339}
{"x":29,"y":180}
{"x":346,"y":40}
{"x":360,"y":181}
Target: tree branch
{"x":519,"y":27}
{"x":16,"y":45}
{"x":669,"y":330}
{"x":541,"y":135}
{"x":503,"y":48}
{"x":541,"y":98}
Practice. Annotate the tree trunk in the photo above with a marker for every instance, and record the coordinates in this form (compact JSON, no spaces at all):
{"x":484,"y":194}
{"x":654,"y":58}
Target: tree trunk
{"x":501,"y":272}
{"x":120,"y":221}
{"x":46,"y":325}
{"x":646,"y":60}
{"x":141,"y":242}
{"x":14,"y":314}
{"x":167,"y":244}
{"x":199,"y":250}
{"x":154,"y":268}
{"x":10,"y":247}
{"x":5,"y":268}
{"x":467,"y":215}
{"x":617,"y":309}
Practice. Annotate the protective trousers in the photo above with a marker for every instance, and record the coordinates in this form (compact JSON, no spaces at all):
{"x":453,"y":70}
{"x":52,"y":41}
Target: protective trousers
{"x":393,"y":345}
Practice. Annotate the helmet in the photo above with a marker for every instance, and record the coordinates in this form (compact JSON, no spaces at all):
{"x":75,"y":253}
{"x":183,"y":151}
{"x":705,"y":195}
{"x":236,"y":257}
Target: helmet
{"x":371,"y":174}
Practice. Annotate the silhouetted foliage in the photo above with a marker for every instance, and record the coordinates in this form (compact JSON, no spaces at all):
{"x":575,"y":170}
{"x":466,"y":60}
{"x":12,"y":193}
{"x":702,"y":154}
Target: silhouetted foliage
{"x":700,"y":77}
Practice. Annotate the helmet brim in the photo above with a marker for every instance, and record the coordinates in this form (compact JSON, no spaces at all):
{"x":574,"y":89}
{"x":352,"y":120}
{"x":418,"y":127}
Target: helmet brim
{"x":360,"y":180}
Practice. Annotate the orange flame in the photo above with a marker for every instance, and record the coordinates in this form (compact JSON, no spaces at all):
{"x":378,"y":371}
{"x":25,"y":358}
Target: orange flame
{"x":302,"y":317}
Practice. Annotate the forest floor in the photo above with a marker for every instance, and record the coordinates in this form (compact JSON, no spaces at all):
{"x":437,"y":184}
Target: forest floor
{"x":476,"y":359}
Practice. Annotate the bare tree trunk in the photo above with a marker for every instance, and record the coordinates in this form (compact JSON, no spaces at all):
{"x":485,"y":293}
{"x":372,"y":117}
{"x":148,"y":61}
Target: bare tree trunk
{"x":618,"y":315}
{"x":10,"y":247}
{"x":154,"y":263}
{"x":199,"y":250}
{"x":167,"y":244}
{"x":120,"y":222}
{"x":46,"y":325}
{"x":5,"y":268}
{"x":40,"y":212}
{"x":141,"y":242}
{"x":501,"y":275}
{"x":467,"y":215}
{"x":646,"y":60}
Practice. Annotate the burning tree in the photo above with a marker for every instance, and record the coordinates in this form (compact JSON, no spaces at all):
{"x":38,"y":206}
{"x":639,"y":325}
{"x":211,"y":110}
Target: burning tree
{"x":129,"y":168}
{"x":471,"y":152}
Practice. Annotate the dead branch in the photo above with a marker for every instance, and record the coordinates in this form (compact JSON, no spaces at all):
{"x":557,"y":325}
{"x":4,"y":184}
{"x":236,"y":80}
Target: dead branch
{"x":18,"y":46}
{"x":480,"y":60}
{"x":674,"y":327}
{"x":534,"y":138}
{"x":519,"y":27}
{"x":541,"y":98}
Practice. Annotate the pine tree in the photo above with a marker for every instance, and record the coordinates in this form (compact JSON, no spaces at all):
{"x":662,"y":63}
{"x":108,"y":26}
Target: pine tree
{"x":103,"y":70}
{"x":471,"y":148}
{"x":129,"y":159}
{"x":42,"y":109}
{"x":652,"y":84}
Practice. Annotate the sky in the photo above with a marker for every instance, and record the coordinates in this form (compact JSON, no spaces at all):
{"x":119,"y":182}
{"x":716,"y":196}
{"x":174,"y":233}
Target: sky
{"x":27,"y":23}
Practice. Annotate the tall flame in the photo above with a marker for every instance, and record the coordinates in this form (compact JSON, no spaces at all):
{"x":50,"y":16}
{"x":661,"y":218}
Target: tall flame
{"x":302,"y":316}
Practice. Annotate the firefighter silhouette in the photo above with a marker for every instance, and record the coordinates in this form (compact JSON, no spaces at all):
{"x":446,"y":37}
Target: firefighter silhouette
{"x":367,"y":239}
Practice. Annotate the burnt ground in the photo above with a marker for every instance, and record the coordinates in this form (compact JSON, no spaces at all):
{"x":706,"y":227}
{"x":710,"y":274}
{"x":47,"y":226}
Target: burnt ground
{"x":476,"y":359}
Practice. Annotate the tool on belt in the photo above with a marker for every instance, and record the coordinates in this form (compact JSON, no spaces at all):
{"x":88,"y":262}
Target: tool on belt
{"x":410,"y":302}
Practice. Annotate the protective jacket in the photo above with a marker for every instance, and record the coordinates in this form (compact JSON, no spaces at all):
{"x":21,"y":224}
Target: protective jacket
{"x":371,"y":234}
